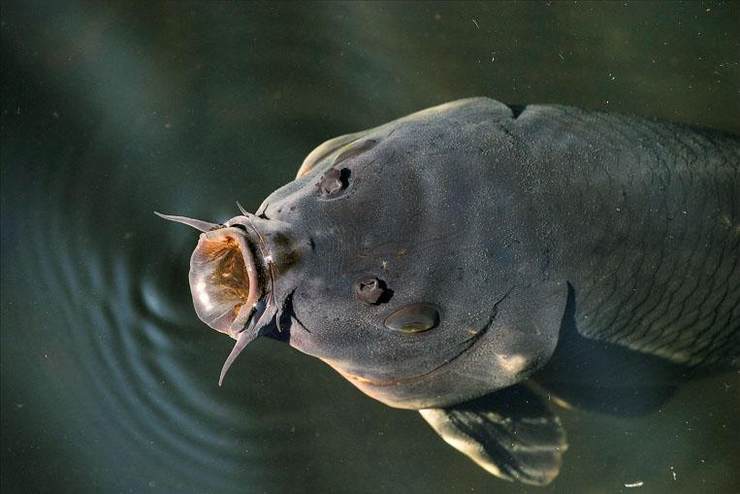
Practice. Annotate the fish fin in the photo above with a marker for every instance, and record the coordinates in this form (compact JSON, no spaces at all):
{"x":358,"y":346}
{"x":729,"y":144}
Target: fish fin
{"x":511,"y":433}
{"x":606,"y":377}
{"x":324,"y":150}
{"x":703,"y":350}
{"x":618,"y":401}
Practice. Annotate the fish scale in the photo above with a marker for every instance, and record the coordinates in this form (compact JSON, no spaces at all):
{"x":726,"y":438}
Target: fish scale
{"x":677,"y":237}
{"x":472,"y":260}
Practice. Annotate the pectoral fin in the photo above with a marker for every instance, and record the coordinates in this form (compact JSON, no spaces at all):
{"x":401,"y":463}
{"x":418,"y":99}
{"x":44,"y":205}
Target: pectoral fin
{"x":511,"y":433}
{"x":324,"y":150}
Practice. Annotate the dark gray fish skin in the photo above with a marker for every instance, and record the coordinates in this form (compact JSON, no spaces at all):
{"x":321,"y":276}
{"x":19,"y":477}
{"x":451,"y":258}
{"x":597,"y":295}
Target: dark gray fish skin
{"x":492,"y":217}
{"x":424,"y":212}
{"x":648,"y":233}
{"x":440,"y":261}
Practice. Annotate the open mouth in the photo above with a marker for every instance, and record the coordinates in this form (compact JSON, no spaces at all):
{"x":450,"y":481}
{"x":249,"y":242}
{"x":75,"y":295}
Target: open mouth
{"x":229,"y":293}
{"x":224,"y":281}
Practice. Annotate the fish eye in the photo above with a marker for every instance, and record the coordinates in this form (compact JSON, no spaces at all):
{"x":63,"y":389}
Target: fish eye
{"x":413,"y":318}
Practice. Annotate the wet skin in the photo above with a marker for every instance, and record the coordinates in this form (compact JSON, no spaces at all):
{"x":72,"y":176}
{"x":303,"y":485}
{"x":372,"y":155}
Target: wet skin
{"x":466,"y":248}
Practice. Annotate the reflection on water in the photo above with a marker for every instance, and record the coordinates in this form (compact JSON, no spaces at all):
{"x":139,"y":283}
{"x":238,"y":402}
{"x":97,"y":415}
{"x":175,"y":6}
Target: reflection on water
{"x":109,"y":380}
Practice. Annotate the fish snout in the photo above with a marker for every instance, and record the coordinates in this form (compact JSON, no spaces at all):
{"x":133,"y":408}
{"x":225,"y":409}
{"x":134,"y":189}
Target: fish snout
{"x":233,"y":274}
{"x":224,"y":280}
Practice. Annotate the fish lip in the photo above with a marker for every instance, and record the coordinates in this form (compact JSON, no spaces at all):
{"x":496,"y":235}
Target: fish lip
{"x":263,"y":267}
{"x":467,"y":344}
{"x":255,"y":290}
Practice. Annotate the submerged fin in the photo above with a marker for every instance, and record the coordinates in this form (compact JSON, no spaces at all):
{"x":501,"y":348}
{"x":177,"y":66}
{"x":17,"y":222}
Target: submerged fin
{"x":511,"y":433}
{"x":324,"y":150}
{"x":605,"y":377}
{"x":618,"y":401}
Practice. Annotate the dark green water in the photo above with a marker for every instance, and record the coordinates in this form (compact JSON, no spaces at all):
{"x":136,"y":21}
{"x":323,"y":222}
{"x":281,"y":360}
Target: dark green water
{"x":110,"y":112}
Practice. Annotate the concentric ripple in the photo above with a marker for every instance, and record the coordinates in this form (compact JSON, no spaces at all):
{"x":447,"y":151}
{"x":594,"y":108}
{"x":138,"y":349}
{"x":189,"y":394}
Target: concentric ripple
{"x":109,"y":381}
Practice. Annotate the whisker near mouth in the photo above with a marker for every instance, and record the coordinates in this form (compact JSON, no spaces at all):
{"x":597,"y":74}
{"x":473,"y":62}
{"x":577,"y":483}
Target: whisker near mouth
{"x":200,"y":225}
{"x":257,"y":321}
{"x":245,"y":337}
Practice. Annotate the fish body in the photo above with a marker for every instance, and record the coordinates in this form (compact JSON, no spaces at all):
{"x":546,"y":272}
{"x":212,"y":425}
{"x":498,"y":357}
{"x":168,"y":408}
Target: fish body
{"x":446,"y":260}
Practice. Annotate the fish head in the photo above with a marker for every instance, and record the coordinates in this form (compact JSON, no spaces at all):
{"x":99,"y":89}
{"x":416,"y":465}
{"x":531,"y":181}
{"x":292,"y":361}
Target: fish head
{"x":381,"y":259}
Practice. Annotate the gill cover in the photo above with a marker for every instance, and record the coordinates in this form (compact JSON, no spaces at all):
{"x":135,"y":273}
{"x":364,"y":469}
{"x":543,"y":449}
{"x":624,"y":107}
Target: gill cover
{"x":224,"y":283}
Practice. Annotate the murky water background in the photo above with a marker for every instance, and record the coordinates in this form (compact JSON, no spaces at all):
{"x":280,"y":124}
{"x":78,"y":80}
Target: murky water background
{"x":110,"y":112}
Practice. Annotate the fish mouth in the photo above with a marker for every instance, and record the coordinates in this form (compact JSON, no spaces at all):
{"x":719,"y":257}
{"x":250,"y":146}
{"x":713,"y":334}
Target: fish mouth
{"x":231,"y":279}
{"x":385,"y":383}
{"x":224,"y":282}
{"x":255,"y":315}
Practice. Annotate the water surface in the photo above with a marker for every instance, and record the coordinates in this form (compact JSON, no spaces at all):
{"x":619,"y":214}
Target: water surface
{"x":110,"y":112}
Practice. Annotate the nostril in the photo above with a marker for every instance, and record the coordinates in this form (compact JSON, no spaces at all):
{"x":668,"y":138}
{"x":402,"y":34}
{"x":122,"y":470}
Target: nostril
{"x":372,"y":291}
{"x":333,"y":182}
